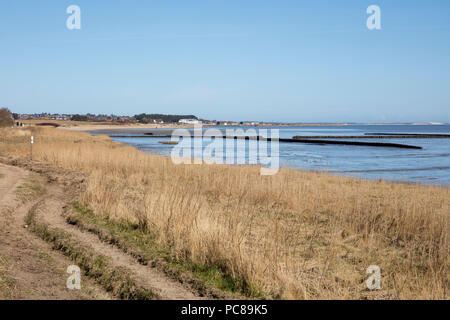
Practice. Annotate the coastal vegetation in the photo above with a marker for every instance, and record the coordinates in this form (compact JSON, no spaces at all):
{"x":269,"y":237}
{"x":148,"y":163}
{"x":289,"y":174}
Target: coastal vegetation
{"x":150,"y":118}
{"x":143,"y":118}
{"x":78,"y":117}
{"x":6,"y":118}
{"x":293,"y":235}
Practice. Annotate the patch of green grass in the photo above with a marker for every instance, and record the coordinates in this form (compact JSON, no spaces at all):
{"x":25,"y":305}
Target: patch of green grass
{"x":29,"y":292}
{"x":7,"y":285}
{"x":32,"y":188}
{"x":118,"y":281}
{"x":45,"y":257}
{"x":143,"y":246}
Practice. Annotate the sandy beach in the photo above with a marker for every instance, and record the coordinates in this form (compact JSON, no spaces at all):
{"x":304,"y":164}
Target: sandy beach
{"x":93,"y":126}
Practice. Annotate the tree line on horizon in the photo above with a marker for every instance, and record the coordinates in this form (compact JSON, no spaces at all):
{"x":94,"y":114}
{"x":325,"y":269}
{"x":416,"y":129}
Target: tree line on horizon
{"x":149,"y":118}
{"x":7,"y":117}
{"x":141,"y":118}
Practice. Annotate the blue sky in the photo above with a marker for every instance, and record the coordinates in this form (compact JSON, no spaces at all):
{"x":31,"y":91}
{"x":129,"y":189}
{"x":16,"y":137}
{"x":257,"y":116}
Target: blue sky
{"x":280,"y":60}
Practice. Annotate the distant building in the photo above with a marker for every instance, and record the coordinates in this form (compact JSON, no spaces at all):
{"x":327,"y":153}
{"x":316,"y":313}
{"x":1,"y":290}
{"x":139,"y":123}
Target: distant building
{"x":189,"y":121}
{"x":226,"y":123}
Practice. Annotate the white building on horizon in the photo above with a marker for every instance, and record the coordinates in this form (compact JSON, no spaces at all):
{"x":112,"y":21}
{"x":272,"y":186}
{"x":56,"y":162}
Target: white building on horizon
{"x":189,"y":121}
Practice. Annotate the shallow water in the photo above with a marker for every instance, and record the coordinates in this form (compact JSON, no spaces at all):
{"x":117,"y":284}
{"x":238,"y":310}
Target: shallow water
{"x":431,"y":165}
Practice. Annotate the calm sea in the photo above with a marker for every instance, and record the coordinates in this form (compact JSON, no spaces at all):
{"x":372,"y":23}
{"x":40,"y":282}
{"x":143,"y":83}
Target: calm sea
{"x":431,"y":165}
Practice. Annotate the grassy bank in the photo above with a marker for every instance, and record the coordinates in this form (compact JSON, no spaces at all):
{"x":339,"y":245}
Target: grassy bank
{"x":208,"y":280}
{"x":114,"y":280}
{"x":299,"y":235}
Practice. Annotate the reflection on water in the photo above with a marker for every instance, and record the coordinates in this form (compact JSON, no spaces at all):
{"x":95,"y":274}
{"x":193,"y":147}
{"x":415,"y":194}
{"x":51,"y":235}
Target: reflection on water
{"x":430,"y":165}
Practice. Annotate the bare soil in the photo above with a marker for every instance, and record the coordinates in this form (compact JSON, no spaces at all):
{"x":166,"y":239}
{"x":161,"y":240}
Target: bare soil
{"x":30,"y":269}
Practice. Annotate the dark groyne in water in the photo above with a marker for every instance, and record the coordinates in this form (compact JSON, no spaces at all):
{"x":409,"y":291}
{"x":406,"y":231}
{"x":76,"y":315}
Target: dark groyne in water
{"x":380,"y":136}
{"x":408,"y":135}
{"x":354,"y":143}
{"x":294,"y":140}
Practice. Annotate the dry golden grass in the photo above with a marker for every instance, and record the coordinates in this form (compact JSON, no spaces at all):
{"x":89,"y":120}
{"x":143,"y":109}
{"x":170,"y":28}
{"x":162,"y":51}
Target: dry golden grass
{"x":295,"y":235}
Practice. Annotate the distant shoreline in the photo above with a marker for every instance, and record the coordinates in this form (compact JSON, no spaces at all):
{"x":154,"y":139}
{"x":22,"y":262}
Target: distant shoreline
{"x":96,"y":126}
{"x":123,"y":127}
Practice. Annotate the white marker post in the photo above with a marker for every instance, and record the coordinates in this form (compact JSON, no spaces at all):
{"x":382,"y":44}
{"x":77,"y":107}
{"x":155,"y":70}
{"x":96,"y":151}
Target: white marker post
{"x":31,"y":148}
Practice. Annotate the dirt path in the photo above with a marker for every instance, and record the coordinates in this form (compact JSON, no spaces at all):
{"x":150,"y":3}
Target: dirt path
{"x":146,"y":276}
{"x":29,"y":268}
{"x":49,"y":210}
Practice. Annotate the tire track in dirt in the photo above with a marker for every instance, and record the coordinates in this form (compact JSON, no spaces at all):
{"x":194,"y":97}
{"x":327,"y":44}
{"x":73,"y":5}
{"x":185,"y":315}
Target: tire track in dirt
{"x":29,"y":268}
{"x":51,"y":211}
